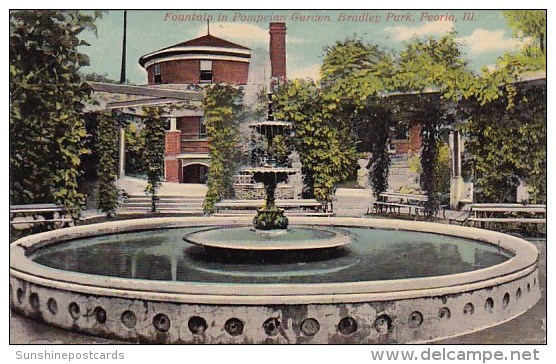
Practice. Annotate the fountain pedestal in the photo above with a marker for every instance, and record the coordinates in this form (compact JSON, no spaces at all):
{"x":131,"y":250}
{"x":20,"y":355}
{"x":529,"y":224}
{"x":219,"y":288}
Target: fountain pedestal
{"x":270,"y":216}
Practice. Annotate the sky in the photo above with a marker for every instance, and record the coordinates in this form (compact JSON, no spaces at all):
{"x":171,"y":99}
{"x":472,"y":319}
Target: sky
{"x":485,"y":36}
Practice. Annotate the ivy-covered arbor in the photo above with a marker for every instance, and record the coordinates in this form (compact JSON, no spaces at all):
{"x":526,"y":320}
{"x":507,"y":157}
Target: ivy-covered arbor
{"x":364,"y":88}
{"x":113,"y":107}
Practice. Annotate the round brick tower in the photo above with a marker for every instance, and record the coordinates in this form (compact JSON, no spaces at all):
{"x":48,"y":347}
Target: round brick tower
{"x":204,"y":60}
{"x":207,"y":59}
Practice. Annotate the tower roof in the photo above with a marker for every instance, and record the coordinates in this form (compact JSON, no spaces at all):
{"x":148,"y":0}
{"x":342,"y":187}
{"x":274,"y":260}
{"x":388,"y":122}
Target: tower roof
{"x":208,"y":41}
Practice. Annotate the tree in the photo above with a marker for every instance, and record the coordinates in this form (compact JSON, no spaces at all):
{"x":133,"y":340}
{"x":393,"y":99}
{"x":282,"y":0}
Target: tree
{"x":506,"y":124}
{"x":528,"y":23}
{"x":47,"y":100}
{"x":282,"y":150}
{"x":108,"y":163}
{"x":377,"y":125}
{"x":507,"y":146}
{"x":355,"y":75}
{"x":436,"y":65}
{"x":223,"y":107}
{"x":154,"y":150}
{"x":352,"y":72}
{"x":325,"y":160}
{"x":135,"y":143}
{"x":97,"y":77}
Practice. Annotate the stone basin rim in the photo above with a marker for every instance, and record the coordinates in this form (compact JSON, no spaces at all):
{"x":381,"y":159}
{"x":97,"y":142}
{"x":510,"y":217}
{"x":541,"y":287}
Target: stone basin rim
{"x":523,"y":263}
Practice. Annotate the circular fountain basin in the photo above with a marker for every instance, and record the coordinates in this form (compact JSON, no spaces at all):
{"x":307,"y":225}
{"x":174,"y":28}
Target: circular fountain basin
{"x":397,"y":281}
{"x":247,"y":238}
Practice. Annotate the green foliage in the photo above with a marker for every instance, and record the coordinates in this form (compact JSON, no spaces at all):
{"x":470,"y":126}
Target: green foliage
{"x":355,"y":76}
{"x":433,"y":65}
{"x":153,"y":154}
{"x":529,"y":26}
{"x":414,"y":164}
{"x":379,"y":121}
{"x":135,"y":145}
{"x":108,"y":163}
{"x":352,"y":71}
{"x":326,"y":161}
{"x":282,"y":150}
{"x":222,"y":105}
{"x":90,"y":160}
{"x":509,"y":146}
{"x":327,"y":118}
{"x":46,"y":97}
{"x":442,"y":170}
{"x":96,"y":77}
{"x":437,"y":65}
{"x":528,"y":23}
{"x":507,"y":130}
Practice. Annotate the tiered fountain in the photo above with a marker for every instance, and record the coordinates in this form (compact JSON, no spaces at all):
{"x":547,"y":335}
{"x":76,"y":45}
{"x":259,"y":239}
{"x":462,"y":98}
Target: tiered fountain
{"x":281,"y":281}
{"x":270,"y":217}
{"x":270,"y":226}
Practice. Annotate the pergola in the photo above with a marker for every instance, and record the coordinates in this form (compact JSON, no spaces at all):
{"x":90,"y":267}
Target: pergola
{"x":459,"y":190}
{"x":132,"y":99}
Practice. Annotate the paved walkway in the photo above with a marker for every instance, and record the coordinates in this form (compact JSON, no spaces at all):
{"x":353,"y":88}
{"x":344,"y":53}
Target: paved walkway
{"x":352,"y":202}
{"x":136,"y":186}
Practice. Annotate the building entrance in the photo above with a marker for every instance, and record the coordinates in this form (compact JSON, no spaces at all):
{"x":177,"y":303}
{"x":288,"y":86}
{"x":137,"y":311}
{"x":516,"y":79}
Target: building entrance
{"x":195,"y":173}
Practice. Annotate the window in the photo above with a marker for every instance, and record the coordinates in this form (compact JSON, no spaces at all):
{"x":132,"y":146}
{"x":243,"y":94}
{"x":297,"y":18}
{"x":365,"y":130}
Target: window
{"x":206,"y":72}
{"x":202,"y":128}
{"x":157,"y":74}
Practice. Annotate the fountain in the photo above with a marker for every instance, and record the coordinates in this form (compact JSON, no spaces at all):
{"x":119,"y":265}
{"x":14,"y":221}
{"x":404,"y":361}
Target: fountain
{"x":296,"y":280}
{"x":270,"y":217}
{"x":270,"y":227}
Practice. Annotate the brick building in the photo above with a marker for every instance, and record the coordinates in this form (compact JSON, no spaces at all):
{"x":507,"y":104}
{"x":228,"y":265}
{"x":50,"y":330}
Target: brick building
{"x":201,"y":61}
{"x":210,"y":59}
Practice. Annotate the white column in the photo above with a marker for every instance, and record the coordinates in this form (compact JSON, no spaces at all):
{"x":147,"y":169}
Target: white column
{"x":456,"y":183}
{"x":174,"y":267}
{"x":121,"y":154}
{"x":133,"y":266}
{"x":173,"y":124}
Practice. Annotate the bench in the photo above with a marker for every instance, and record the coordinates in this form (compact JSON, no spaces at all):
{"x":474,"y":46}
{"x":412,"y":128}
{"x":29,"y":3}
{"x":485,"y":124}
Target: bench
{"x":485,"y":215}
{"x":26,"y":216}
{"x":385,"y":207}
{"x":301,"y":207}
{"x":394,"y":202}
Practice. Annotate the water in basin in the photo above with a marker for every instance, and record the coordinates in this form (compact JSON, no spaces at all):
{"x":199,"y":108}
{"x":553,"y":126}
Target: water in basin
{"x":374,"y":254}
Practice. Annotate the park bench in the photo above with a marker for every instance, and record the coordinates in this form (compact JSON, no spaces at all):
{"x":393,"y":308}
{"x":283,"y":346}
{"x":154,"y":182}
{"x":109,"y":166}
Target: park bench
{"x":294,"y":207}
{"x":488,"y":214}
{"x":394,"y":202}
{"x":26,"y":216}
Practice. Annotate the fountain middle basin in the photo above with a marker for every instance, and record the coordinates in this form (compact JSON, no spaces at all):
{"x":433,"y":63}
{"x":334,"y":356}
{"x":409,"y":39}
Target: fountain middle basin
{"x":397,"y":281}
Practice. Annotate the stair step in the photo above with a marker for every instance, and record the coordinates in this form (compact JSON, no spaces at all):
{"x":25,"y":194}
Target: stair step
{"x":232,"y":213}
{"x":162,"y":202}
{"x":169,"y":198}
{"x":160,"y":207}
{"x":161,"y":212}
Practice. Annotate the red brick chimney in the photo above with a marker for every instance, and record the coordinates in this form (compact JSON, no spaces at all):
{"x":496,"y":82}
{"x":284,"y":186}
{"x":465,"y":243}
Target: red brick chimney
{"x":277,"y":47}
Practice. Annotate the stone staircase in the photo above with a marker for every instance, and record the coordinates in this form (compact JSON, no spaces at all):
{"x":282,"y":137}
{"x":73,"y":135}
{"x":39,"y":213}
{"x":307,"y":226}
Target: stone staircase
{"x":401,"y":175}
{"x":179,"y":205}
